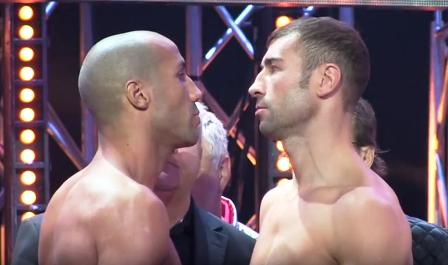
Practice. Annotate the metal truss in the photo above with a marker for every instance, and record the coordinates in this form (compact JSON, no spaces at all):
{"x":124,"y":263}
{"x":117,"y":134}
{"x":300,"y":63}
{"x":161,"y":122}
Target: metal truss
{"x":37,"y":124}
{"x":198,"y":62}
{"x":417,"y":4}
{"x":437,"y":129}
{"x":50,"y":121}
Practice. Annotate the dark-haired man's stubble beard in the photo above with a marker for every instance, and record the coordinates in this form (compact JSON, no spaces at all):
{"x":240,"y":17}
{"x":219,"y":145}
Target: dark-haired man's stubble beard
{"x":290,"y":117}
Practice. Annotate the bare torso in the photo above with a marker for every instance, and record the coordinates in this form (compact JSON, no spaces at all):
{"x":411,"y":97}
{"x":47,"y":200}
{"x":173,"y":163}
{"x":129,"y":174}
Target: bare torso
{"x":306,"y":229}
{"x":99,"y":216}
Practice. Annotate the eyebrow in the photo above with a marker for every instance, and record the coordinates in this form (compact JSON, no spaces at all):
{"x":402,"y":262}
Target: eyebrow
{"x":270,"y":61}
{"x":181,"y":65}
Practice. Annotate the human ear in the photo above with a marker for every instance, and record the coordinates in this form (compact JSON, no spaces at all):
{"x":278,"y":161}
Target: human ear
{"x":136,"y":96}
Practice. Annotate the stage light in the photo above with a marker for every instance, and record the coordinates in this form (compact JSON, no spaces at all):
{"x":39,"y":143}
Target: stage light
{"x":27,"y":215}
{"x":27,"y":156}
{"x":26,"y":32}
{"x":283,"y":163}
{"x":28,"y":64}
{"x":26,"y":13}
{"x":279,"y":165}
{"x":26,"y":73}
{"x":28,"y":197}
{"x":282,"y":21}
{"x":28,"y":177}
{"x":279,"y":146}
{"x":27,"y":136}
{"x":282,"y":181}
{"x":26,"y":54}
{"x":27,"y":115}
{"x":26,"y":95}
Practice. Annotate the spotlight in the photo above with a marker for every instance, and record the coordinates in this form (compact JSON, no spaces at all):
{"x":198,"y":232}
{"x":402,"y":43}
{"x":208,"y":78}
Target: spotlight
{"x":283,"y":163}
{"x":27,"y":136}
{"x":26,"y":95}
{"x":28,"y":177}
{"x":28,"y":197}
{"x":26,"y":73}
{"x":26,"y":13}
{"x":27,"y":215}
{"x":282,"y":21}
{"x":26,"y":54}
{"x":279,"y":146}
{"x":27,"y":115}
{"x":26,"y":32}
{"x":27,"y":156}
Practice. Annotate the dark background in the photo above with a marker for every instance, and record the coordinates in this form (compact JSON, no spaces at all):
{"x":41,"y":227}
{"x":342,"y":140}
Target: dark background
{"x":398,"y":40}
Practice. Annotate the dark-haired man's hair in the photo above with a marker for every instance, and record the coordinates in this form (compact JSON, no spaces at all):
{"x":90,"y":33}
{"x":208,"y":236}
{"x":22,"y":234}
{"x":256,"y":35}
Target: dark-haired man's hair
{"x":326,"y":40}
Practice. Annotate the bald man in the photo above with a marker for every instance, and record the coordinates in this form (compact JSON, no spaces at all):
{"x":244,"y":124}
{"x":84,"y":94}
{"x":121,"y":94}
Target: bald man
{"x":143,"y":102}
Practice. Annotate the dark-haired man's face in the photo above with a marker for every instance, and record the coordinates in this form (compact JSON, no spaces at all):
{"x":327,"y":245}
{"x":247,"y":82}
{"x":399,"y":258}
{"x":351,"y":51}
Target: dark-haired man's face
{"x":283,"y":105}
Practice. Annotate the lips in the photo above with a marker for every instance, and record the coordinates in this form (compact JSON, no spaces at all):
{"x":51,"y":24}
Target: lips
{"x":259,"y":109}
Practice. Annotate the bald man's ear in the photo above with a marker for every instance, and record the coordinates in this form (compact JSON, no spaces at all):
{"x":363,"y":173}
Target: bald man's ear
{"x":367,"y":154}
{"x":225,"y":173}
{"x":135,"y":94}
{"x":329,"y":79}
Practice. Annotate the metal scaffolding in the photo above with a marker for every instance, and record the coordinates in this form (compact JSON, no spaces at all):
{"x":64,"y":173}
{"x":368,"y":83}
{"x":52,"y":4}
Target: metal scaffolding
{"x":198,"y":61}
{"x":437,"y":129}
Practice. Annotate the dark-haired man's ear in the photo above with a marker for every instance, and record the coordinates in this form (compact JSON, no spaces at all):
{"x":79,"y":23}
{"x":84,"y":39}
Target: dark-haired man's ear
{"x":136,"y":95}
{"x":367,"y":154}
{"x":329,"y":79}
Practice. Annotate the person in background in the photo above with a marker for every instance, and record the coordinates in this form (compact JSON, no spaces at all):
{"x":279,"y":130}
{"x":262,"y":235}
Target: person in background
{"x":215,"y":172}
{"x":200,"y":237}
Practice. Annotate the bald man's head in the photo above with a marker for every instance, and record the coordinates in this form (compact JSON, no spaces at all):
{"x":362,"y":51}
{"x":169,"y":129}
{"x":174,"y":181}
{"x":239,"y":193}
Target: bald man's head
{"x":112,"y":63}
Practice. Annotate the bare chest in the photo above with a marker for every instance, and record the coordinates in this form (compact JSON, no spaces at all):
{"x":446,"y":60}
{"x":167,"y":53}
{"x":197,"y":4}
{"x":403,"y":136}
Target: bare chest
{"x":296,"y":233}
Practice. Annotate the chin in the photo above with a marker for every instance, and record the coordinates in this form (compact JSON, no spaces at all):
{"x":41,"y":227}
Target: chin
{"x":268,"y":131}
{"x":189,"y":139}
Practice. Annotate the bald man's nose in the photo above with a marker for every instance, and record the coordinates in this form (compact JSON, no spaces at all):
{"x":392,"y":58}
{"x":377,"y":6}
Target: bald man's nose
{"x":194,"y":91}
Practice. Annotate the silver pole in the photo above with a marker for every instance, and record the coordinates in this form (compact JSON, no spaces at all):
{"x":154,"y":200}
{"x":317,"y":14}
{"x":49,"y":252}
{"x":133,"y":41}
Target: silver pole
{"x":239,"y":35}
{"x":194,"y":40}
{"x":89,"y":131}
{"x":220,"y":44}
{"x":346,"y":15}
{"x":10,"y":210}
{"x":56,"y":129}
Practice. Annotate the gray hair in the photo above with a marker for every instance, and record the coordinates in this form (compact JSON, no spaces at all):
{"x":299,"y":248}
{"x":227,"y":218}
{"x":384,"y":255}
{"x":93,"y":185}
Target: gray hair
{"x":214,"y":133}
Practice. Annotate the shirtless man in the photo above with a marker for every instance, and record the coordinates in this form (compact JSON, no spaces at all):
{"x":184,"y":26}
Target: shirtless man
{"x":336,"y":210}
{"x":143,"y":102}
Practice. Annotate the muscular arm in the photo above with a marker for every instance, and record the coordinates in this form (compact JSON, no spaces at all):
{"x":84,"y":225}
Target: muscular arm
{"x":136,"y":233}
{"x":371,"y":231}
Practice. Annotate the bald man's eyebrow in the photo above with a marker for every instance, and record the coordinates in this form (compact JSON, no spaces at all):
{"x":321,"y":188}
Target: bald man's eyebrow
{"x":268,"y":62}
{"x":181,"y":65}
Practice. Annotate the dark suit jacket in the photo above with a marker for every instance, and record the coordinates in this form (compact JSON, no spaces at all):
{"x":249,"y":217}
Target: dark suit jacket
{"x":216,"y":242}
{"x":27,"y":242}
